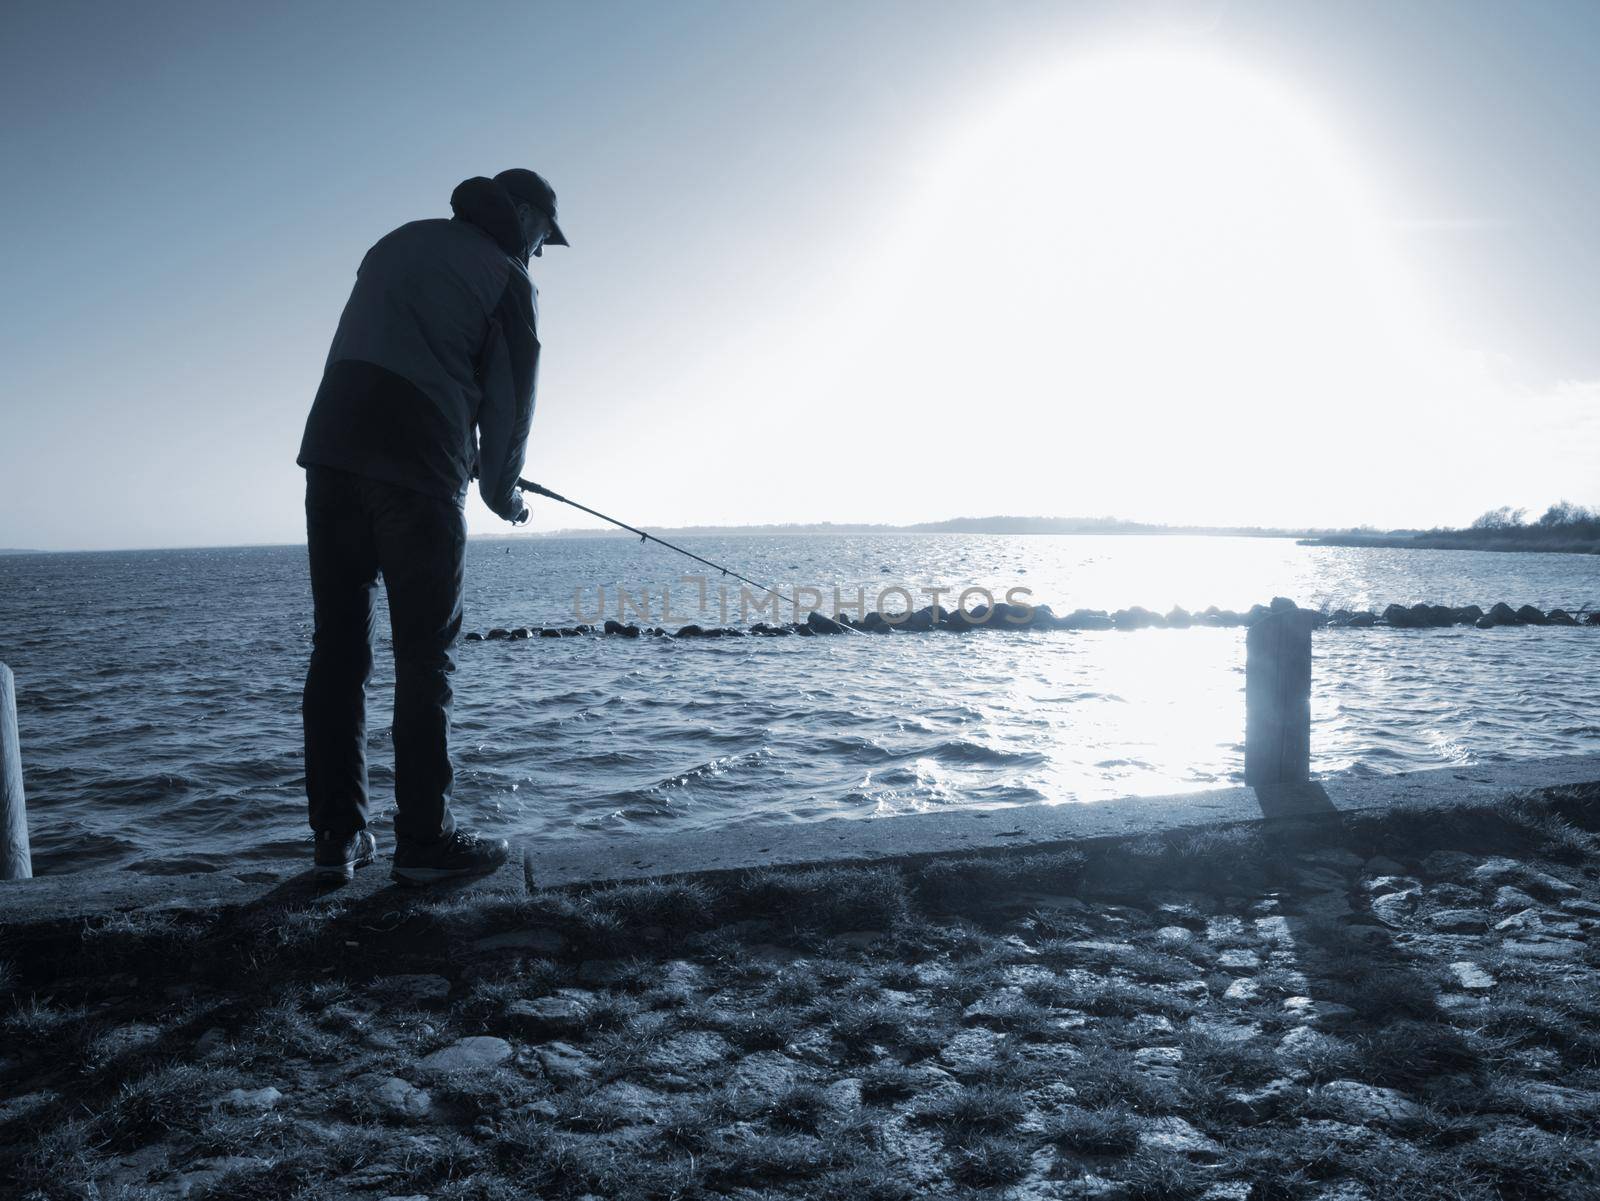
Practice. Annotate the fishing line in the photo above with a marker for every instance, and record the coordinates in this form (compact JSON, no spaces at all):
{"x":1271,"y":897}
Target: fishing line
{"x":530,"y":486}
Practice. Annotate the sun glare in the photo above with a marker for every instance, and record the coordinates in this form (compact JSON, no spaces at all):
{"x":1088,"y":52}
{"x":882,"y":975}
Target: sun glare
{"x":1153,"y":243}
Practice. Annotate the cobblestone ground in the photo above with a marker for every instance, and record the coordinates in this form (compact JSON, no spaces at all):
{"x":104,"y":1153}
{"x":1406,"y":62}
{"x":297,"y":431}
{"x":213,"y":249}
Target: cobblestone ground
{"x":1396,"y":1008}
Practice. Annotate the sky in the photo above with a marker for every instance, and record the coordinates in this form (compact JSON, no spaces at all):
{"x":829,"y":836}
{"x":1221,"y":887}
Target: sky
{"x":1226,"y":263}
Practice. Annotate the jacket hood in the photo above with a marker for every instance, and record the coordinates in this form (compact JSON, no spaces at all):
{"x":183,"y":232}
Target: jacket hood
{"x":486,"y":204}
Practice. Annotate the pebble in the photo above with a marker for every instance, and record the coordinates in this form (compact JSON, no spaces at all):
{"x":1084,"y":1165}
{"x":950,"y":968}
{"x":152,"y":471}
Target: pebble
{"x":996,"y":1004}
{"x":1380,"y":885}
{"x":1472,"y":977}
{"x":412,"y":987}
{"x":1382,"y":865}
{"x":1318,"y":1011}
{"x":1266,"y":1101}
{"x":1303,"y":1041}
{"x":1333,"y":857}
{"x":971,"y":1050}
{"x":1274,"y":929}
{"x":1225,"y":1031}
{"x":1396,"y":907}
{"x":1325,"y":907}
{"x":467,"y":1054}
{"x":256,"y":1100}
{"x":630,"y":1102}
{"x":564,"y":1062}
{"x":1174,"y":936}
{"x":1320,"y":879}
{"x":1561,"y":949}
{"x":1243,"y":989}
{"x":765,"y":1073}
{"x":1160,"y":1062}
{"x":1376,"y":1106}
{"x":1458,"y":921}
{"x":1019,"y":974}
{"x":1239,"y":959}
{"x":844,"y":1096}
{"x":562,"y":1013}
{"x":691,"y":1049}
{"x":538,"y":940}
{"x":1507,"y":897}
{"x":1176,"y":1135}
{"x":1225,"y":927}
{"x":601,"y":971}
{"x":402,"y":1097}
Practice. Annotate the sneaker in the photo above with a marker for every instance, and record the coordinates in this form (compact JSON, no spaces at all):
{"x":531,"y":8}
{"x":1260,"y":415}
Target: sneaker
{"x":338,"y":855}
{"x":461,"y":854}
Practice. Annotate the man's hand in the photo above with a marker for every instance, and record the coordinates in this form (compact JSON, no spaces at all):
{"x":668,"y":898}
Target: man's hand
{"x":520,"y":512}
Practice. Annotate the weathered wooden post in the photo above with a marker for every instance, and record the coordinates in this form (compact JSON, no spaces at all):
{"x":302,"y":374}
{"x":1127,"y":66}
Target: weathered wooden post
{"x":1277,"y":699}
{"x":16,"y":861}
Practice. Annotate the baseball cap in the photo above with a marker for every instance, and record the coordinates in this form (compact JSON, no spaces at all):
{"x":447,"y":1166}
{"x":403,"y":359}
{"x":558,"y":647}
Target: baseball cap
{"x":531,"y":186}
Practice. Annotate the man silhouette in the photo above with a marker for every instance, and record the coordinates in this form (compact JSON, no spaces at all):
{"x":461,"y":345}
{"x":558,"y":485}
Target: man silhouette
{"x":429,"y":382}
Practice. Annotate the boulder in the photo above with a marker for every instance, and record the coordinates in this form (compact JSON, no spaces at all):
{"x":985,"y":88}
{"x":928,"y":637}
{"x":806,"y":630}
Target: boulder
{"x":1363,"y":620}
{"x":1400,"y":618}
{"x":1044,"y":618}
{"x":1006,"y":616}
{"x":521,"y":632}
{"x":612,"y":626}
{"x":1228,"y":617}
{"x":927,"y":617}
{"x":824,"y":625}
{"x":1439,"y":615}
{"x":689,"y":631}
{"x":549,"y":633}
{"x":1255,"y":614}
{"x":474,"y":636}
{"x":498,"y":634}
{"x":1179,"y":618}
{"x":1468,"y":615}
{"x":1593,"y":619}
{"x":1500,"y":614}
{"x":1086,"y":619}
{"x":961,"y":621}
{"x":629,"y":631}
{"x":1560,"y":617}
{"x":1531,"y":616}
{"x":1136,"y":618}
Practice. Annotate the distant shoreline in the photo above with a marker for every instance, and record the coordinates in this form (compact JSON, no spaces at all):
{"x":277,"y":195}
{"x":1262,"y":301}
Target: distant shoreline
{"x":1503,"y":544}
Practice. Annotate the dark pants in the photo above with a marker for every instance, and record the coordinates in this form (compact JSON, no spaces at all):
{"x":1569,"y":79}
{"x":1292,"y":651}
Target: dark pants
{"x":357,"y":529}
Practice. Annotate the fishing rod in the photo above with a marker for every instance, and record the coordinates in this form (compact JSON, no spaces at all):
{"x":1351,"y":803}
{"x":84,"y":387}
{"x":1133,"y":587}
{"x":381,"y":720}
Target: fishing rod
{"x":530,"y":486}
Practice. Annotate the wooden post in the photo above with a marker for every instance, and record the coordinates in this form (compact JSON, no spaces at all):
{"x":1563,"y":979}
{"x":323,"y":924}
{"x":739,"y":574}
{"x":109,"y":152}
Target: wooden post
{"x":16,"y":861}
{"x":1277,"y":700}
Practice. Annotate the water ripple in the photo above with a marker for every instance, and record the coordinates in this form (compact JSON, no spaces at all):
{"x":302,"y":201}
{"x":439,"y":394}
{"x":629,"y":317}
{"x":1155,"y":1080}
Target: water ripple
{"x":159,"y":692}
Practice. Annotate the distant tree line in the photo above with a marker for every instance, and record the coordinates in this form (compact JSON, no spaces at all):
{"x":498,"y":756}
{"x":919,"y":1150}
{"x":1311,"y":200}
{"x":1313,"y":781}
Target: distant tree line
{"x":1563,"y":527}
{"x":1563,"y":515}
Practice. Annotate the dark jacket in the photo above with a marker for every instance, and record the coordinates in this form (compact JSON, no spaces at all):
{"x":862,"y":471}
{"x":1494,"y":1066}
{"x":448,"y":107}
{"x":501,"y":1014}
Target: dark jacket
{"x":430,"y":379}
